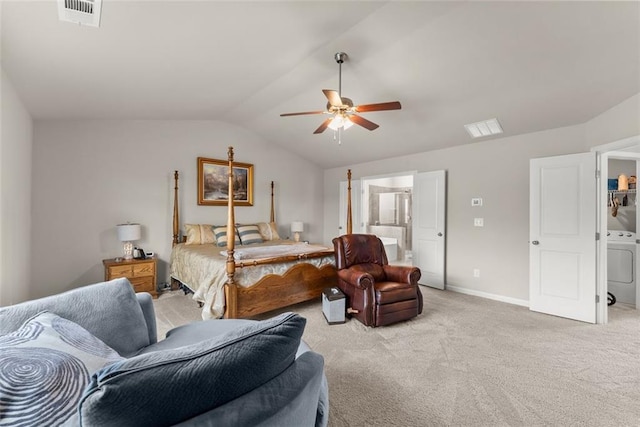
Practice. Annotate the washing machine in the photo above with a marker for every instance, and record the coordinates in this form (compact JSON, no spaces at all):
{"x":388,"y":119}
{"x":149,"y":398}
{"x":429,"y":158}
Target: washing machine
{"x":621,"y":265}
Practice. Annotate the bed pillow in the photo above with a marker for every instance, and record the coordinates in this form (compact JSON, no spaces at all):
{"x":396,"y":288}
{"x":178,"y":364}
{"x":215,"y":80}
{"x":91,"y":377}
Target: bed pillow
{"x":44,"y":368}
{"x":221,"y":236}
{"x":249,"y":234}
{"x":199,"y":234}
{"x":194,"y":378}
{"x":268,"y":231}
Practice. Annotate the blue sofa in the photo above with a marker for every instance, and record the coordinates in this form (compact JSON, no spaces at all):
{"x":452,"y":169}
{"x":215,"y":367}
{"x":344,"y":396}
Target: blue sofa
{"x":90,"y":357}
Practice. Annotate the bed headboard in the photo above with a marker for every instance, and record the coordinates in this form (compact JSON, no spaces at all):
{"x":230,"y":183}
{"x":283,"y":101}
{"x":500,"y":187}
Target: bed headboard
{"x":176,"y":212}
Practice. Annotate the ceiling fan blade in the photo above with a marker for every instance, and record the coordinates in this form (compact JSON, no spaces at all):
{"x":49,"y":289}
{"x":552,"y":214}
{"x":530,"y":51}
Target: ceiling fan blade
{"x":323,"y":126}
{"x":363,"y":122}
{"x":395,"y":105}
{"x":301,"y":114}
{"x":333,"y":97}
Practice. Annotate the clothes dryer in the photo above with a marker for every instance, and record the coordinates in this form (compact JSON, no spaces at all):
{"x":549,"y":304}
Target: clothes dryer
{"x":621,"y":265}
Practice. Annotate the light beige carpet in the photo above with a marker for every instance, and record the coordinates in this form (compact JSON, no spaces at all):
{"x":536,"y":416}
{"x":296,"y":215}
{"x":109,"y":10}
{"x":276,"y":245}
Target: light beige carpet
{"x":469,"y":361}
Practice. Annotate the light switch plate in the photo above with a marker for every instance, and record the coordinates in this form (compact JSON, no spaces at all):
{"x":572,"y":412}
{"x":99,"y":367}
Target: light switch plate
{"x":476,"y":201}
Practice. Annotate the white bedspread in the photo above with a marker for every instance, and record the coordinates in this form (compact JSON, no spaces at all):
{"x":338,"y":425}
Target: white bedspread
{"x":203,"y":269}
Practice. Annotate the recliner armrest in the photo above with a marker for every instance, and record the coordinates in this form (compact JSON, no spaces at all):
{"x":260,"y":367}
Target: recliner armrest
{"x":358,"y":279}
{"x":402,"y":274}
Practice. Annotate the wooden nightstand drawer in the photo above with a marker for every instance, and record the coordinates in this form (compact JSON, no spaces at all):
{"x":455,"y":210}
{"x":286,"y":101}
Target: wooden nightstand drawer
{"x":140,"y":272}
{"x":117,"y":271}
{"x":142,"y":284}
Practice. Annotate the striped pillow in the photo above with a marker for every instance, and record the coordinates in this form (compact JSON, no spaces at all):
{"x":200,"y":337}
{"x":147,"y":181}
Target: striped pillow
{"x":221,"y":236}
{"x":249,"y":234}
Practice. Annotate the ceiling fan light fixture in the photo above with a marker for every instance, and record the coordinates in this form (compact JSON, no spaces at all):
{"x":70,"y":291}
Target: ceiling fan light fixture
{"x":484,"y":128}
{"x":343,"y":114}
{"x":340,"y":121}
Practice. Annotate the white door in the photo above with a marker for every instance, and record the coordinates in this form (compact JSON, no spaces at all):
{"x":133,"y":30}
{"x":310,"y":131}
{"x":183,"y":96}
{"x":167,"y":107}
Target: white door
{"x":356,"y":201}
{"x":562,"y":232}
{"x":428,"y":246}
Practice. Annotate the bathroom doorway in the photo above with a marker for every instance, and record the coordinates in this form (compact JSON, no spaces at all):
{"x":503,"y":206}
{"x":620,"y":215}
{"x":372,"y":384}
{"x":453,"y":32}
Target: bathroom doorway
{"x":387,"y":206}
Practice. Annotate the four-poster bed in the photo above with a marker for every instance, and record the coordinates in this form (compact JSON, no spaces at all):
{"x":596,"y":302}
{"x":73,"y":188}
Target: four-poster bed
{"x":246,"y":281}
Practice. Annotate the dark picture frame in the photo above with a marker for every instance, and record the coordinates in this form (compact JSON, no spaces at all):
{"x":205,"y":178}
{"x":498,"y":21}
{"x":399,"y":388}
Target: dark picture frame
{"x":213,"y":183}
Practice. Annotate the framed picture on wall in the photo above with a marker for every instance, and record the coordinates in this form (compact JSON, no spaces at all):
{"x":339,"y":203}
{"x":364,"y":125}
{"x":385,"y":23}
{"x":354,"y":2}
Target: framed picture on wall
{"x":213,"y":182}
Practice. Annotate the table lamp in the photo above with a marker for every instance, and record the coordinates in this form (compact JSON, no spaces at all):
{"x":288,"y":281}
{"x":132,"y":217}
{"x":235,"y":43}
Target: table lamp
{"x":128,"y":233}
{"x":297,"y":227}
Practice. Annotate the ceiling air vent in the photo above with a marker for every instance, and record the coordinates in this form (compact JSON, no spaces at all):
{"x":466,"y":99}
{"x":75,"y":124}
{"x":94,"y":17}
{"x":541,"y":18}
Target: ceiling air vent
{"x":83,"y":12}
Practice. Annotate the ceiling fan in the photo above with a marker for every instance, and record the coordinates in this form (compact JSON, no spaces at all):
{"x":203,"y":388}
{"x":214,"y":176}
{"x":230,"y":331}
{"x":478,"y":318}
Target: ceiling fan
{"x":341,"y":109}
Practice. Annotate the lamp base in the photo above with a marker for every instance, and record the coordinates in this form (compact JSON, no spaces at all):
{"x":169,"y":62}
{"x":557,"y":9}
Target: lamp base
{"x":128,"y":251}
{"x":296,"y":237}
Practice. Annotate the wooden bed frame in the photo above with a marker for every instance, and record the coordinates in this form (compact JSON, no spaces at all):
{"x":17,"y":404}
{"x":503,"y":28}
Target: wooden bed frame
{"x":302,"y":282}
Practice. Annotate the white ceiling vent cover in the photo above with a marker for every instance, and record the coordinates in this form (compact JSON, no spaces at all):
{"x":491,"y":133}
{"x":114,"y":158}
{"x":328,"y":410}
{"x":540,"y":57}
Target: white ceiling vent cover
{"x":83,"y":12}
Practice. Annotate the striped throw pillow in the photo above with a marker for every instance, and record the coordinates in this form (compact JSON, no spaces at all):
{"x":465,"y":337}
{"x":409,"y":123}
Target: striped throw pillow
{"x":249,"y":234}
{"x":221,"y":236}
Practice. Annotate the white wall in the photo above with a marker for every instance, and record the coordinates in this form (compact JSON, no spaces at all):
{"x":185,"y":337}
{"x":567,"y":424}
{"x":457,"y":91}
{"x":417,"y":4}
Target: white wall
{"x":496,"y":170}
{"x":16,"y":137}
{"x":619,"y":122}
{"x":89,"y":176}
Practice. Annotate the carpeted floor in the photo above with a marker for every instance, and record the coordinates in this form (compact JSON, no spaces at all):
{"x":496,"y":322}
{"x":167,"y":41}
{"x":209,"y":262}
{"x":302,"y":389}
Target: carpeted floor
{"x":469,"y":361}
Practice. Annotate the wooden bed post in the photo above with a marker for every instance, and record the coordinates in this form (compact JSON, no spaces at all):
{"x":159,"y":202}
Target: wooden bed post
{"x":349,"y":221}
{"x":231,"y":293}
{"x":176,"y":215}
{"x":273,"y":216}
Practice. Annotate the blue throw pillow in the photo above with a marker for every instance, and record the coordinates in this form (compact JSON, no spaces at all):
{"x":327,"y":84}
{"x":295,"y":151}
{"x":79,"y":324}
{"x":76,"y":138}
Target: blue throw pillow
{"x":166,"y":387}
{"x":44,"y":367}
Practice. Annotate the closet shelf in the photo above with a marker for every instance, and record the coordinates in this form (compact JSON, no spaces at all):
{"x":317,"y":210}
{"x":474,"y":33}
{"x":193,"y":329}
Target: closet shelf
{"x":632,"y":191}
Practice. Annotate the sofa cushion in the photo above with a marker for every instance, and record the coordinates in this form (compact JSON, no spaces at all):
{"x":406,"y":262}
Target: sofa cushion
{"x":44,"y":367}
{"x":194,"y":378}
{"x":195,"y":332}
{"x":106,"y":310}
{"x":297,"y":397}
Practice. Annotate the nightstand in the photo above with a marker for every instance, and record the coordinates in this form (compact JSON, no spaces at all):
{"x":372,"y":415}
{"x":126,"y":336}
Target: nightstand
{"x":140,"y":272}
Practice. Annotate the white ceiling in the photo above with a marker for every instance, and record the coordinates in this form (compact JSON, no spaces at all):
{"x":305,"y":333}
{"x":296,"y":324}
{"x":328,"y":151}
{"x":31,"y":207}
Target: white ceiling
{"x":533,"y":65}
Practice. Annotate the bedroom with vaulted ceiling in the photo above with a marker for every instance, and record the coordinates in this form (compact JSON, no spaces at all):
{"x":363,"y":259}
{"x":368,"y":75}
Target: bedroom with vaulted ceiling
{"x":322,"y":213}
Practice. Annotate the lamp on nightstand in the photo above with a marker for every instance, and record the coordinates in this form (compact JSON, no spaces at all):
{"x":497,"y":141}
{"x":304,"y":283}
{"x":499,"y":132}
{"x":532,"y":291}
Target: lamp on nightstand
{"x":128,"y":233}
{"x":297,"y":227}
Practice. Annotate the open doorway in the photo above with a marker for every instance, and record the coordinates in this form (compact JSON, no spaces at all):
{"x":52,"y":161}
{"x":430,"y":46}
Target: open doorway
{"x":618,"y":254}
{"x":387,"y":205}
{"x":621,"y":232}
{"x":615,"y":159}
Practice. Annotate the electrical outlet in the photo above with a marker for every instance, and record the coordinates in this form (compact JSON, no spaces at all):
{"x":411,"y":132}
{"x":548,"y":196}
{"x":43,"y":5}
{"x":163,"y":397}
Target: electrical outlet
{"x":476,"y":272}
{"x":478,"y":222}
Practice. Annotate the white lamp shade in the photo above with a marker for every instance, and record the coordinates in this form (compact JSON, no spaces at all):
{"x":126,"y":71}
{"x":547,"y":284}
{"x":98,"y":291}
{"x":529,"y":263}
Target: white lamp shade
{"x":128,"y":232}
{"x":297,"y":226}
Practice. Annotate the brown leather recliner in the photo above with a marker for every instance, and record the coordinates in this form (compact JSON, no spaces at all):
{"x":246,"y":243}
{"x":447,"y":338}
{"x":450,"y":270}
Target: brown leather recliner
{"x":378,"y":293}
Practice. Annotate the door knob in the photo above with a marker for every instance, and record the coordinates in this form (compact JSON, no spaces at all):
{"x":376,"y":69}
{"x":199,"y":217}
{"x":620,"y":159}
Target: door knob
{"x":439,"y":234}
{"x":535,"y":242}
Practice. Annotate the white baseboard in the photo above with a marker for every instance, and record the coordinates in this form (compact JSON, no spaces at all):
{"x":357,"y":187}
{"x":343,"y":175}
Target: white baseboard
{"x":487,"y":295}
